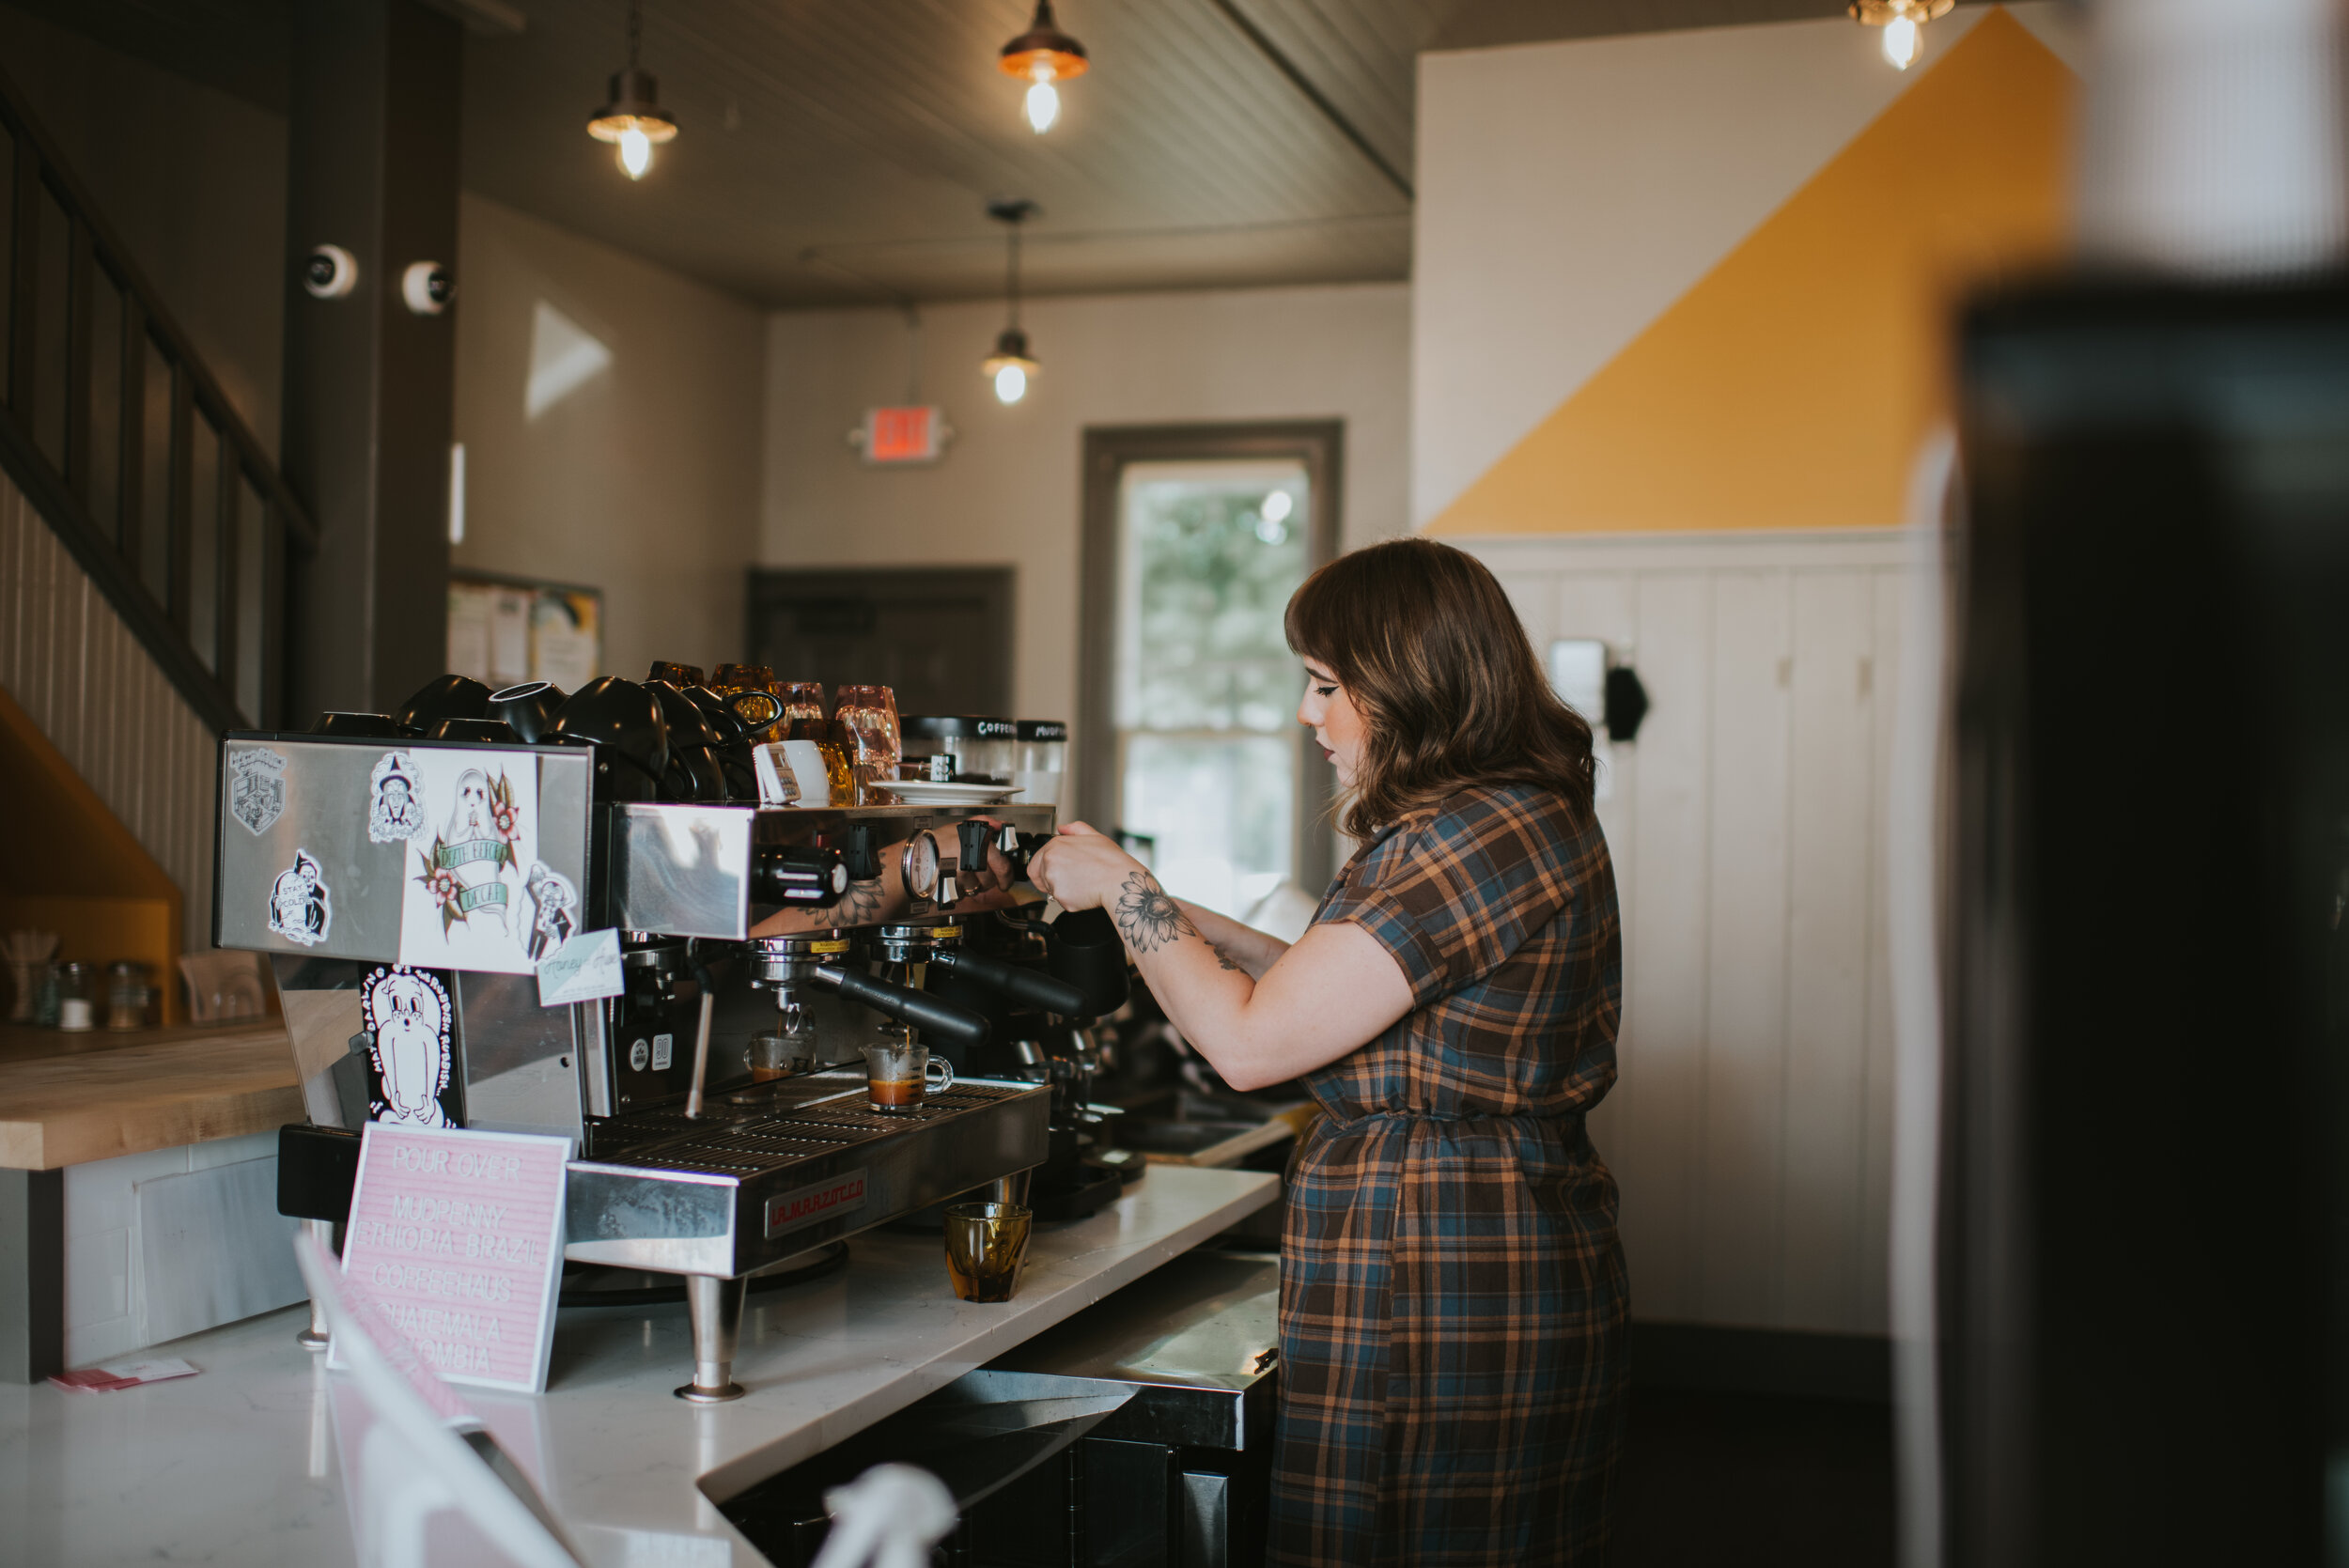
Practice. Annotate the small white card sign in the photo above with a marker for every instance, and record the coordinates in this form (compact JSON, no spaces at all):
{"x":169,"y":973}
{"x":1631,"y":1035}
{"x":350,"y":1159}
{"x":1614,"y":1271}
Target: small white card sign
{"x":459,"y":1236}
{"x":585,"y":968}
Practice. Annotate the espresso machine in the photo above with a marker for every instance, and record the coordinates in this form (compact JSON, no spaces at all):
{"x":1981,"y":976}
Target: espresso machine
{"x":408,"y":875}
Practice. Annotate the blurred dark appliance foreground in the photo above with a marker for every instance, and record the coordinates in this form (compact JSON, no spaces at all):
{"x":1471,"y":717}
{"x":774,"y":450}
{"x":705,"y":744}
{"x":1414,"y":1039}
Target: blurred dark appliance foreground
{"x":2143,"y":1187}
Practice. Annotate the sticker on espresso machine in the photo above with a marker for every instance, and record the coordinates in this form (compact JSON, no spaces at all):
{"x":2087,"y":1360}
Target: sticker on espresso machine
{"x":394,"y":799}
{"x":407,"y":1015}
{"x":301,"y":908}
{"x":256,"y":787}
{"x":464,"y":903}
{"x":812,"y":1204}
{"x":585,"y":968}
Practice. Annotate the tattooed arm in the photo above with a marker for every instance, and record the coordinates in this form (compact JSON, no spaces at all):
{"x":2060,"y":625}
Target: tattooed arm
{"x":884,"y":900}
{"x":1332,"y":992}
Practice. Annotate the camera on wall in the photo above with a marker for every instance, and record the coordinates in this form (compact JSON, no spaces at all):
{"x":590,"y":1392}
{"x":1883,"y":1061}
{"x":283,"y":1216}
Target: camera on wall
{"x":427,"y":287}
{"x":329,"y":272}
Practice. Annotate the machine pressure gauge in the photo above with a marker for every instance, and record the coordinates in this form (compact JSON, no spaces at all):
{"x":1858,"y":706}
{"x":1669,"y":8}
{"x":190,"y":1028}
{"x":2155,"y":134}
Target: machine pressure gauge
{"x":920,"y":866}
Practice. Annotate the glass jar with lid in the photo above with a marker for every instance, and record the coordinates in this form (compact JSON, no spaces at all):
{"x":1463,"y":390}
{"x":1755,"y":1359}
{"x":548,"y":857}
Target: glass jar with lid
{"x":1040,"y":760}
{"x":983,"y":748}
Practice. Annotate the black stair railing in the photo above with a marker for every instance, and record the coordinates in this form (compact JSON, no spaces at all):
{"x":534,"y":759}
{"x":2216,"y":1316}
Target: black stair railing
{"x":126,"y":445}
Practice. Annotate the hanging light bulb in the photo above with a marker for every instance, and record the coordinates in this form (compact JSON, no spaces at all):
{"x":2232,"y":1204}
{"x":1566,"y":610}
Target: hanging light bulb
{"x":1043,"y":106}
{"x":1901,"y":42}
{"x":1904,"y":23}
{"x":635,"y":152}
{"x":1010,"y":366}
{"x":634,"y":118}
{"x":1041,"y":57}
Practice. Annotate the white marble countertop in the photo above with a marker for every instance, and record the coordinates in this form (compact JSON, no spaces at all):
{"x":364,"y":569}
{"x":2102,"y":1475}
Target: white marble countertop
{"x":239,"y":1466}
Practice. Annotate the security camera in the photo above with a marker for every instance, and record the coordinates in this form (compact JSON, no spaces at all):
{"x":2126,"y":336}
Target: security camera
{"x":427,"y":287}
{"x":329,"y":272}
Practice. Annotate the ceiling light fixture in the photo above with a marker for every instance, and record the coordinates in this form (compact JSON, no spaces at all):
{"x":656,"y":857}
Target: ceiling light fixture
{"x":1010,"y":366}
{"x":1040,"y":56}
{"x":1904,"y":23}
{"x":634,"y":117}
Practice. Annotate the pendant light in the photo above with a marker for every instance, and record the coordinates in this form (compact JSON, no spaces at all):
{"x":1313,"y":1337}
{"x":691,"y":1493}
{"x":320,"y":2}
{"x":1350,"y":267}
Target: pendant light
{"x":1040,"y":56}
{"x":634,"y":117}
{"x":1010,"y":366}
{"x":1904,"y":23}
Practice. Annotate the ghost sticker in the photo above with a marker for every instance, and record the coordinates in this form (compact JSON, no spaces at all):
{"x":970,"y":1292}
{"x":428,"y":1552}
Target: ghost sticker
{"x":299,"y":907}
{"x":556,"y":906}
{"x":407,"y":1015}
{"x":471,"y":859}
{"x":395,"y":800}
{"x":256,"y":787}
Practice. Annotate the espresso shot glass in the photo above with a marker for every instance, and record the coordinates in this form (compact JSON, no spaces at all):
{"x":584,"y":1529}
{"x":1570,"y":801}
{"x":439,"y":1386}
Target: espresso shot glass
{"x":899,"y":1075}
{"x":986,"y":1245}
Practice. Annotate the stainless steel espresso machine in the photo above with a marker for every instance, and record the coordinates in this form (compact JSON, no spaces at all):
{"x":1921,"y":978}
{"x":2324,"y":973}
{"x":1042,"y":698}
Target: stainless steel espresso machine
{"x":408,"y":885}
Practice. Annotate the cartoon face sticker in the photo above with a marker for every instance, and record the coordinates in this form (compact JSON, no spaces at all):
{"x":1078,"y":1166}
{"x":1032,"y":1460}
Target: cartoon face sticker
{"x":301,"y":910}
{"x":395,"y":800}
{"x":470,"y":818}
{"x":556,"y":907}
{"x":407,"y":1013}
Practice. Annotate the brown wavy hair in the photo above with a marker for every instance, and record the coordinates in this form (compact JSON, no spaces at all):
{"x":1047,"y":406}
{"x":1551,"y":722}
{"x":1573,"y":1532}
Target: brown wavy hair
{"x":1432,"y":654}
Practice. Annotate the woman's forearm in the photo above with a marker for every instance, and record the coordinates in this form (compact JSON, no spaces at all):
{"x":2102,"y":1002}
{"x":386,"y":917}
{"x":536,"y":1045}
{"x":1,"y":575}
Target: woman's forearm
{"x":1251,"y":949}
{"x":1259,"y":1029}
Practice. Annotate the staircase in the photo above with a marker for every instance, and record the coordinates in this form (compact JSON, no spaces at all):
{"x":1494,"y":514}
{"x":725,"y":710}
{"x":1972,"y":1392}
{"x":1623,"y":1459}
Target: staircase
{"x":117,"y":437}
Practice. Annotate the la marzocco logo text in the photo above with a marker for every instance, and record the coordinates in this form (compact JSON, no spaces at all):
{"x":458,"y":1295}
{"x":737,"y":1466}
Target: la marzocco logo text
{"x":788,"y":1211}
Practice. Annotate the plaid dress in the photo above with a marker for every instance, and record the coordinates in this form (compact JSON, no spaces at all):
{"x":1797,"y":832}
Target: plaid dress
{"x":1452,"y":1289}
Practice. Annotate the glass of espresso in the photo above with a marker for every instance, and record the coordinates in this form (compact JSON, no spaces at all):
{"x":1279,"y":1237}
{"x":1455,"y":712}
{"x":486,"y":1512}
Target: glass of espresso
{"x":987,"y":1243}
{"x":900,"y":1072}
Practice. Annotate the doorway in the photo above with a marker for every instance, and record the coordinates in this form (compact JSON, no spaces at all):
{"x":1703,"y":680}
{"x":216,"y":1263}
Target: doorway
{"x":1194,"y":539}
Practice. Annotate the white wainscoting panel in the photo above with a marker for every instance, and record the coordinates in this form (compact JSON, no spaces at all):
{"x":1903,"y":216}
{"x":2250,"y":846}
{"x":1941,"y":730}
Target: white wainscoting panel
{"x":1751,"y":1129}
{"x":73,"y":664}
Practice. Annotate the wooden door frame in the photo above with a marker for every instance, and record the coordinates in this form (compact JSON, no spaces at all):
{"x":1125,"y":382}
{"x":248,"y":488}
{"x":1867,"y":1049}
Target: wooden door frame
{"x":1320,"y":445}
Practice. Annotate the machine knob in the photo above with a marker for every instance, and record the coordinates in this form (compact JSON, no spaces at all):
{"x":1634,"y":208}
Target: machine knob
{"x":862,"y":854}
{"x":949,"y":886}
{"x":797,"y":874}
{"x":973,"y":835}
{"x":1019,"y":848}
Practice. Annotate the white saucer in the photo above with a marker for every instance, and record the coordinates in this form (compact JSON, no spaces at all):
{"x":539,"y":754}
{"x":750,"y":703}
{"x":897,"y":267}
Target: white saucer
{"x":920,"y":792}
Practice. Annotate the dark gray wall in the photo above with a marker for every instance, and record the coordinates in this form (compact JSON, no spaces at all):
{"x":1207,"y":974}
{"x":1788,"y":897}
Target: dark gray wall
{"x":194,"y":179}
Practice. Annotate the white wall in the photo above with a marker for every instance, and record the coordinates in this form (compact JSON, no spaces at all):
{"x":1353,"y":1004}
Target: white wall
{"x":1569,"y":193}
{"x":1007,"y":490}
{"x":1751,"y":1129}
{"x":642,"y":481}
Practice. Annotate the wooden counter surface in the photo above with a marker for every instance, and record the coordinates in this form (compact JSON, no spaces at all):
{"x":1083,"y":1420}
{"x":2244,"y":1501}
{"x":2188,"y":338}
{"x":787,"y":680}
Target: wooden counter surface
{"x":67,"y":1099}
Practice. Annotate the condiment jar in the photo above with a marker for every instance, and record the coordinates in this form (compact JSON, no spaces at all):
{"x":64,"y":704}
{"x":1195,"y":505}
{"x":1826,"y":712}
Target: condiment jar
{"x":126,"y":994}
{"x":75,"y":1011}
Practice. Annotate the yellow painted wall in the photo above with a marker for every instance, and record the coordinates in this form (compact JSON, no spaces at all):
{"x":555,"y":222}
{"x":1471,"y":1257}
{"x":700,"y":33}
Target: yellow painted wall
{"x":1790,"y":387}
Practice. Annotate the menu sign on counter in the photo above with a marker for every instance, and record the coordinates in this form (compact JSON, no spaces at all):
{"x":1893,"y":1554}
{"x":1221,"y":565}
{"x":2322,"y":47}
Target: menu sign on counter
{"x":459,"y":1235}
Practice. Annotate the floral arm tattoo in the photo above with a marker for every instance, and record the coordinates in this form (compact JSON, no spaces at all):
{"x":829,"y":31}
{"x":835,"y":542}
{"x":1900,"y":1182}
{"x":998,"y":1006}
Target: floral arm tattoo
{"x":1147,"y":917}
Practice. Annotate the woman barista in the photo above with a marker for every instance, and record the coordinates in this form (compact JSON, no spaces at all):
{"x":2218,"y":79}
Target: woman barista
{"x":1451,"y":1288}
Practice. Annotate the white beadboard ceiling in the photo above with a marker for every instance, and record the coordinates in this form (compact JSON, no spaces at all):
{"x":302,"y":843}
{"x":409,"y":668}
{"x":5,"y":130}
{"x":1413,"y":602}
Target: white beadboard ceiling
{"x":841,"y":151}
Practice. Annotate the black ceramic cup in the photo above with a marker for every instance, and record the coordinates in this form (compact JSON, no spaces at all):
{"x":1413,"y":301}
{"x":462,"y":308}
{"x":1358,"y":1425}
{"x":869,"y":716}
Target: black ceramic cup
{"x":529,"y":708}
{"x":443,"y":697}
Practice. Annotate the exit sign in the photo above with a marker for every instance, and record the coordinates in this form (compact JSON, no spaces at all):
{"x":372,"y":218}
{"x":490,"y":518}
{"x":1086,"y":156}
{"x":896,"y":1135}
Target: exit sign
{"x":916,"y":433}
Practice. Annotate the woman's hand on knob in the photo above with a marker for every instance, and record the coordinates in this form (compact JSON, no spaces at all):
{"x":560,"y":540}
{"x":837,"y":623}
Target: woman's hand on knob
{"x":1081,"y":868}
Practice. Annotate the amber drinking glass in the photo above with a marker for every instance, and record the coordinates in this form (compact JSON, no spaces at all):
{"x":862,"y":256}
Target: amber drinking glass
{"x":870,"y":713}
{"x":678,"y":675}
{"x":751,"y":691}
{"x":986,"y":1244}
{"x":803,"y":717}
